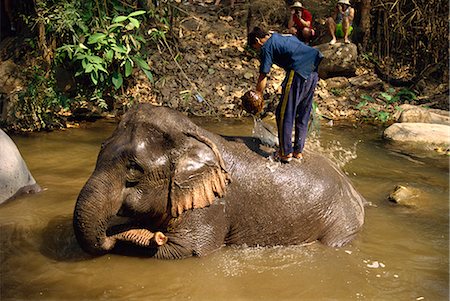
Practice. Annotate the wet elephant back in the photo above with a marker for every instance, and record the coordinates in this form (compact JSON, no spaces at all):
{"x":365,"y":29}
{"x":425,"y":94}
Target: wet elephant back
{"x":272,"y":203}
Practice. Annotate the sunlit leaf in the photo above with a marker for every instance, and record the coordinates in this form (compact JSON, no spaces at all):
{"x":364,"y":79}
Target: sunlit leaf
{"x":137,"y":13}
{"x":94,"y":78}
{"x":89,"y":67}
{"x":96,"y":37}
{"x":361,"y":104}
{"x":119,"y":19}
{"x":367,"y":97}
{"x":109,"y":55}
{"x":386,"y":96}
{"x":117,"y":80}
{"x":135,"y":22}
{"x":149,"y":75}
{"x":141,"y":63}
{"x":128,"y":68}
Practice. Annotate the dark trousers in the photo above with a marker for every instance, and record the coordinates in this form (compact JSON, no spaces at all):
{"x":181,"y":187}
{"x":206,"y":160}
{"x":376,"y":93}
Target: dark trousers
{"x":295,"y":106}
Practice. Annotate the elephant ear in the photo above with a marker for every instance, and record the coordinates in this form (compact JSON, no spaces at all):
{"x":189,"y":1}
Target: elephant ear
{"x":199,"y":176}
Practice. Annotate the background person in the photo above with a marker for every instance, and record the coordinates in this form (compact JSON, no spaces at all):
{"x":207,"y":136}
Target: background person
{"x":300,"y":22}
{"x":300,"y":63}
{"x":340,"y":23}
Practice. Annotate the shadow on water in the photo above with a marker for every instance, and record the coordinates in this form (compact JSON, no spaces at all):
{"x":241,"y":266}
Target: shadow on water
{"x":59,"y":242}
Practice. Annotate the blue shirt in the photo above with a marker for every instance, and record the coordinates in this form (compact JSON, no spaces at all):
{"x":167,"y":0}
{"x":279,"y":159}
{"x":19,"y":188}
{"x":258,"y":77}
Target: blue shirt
{"x":289,"y":53}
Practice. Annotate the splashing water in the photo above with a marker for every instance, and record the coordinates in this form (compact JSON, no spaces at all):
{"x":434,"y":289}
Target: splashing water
{"x":265,"y":132}
{"x":333,"y":150}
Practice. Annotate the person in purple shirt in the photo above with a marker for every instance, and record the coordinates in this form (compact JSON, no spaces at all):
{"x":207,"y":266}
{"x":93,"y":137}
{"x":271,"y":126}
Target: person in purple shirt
{"x":300,"y":63}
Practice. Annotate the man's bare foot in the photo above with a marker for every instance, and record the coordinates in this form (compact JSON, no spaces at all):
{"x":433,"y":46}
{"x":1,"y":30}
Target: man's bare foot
{"x":347,"y":41}
{"x":298,"y":156}
{"x":333,"y":41}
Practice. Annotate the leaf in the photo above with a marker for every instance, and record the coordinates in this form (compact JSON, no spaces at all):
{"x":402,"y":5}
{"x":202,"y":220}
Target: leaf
{"x":135,"y":22}
{"x":141,"y":63}
{"x":96,"y":37}
{"x":94,"y":78}
{"x":89,"y":67}
{"x":149,"y":75}
{"x":361,"y":104}
{"x":130,"y":26}
{"x":383,"y":116}
{"x":101,"y":68}
{"x":95,"y":59}
{"x":367,"y":97}
{"x":119,"y":19}
{"x":113,"y":26}
{"x":81,"y":45}
{"x":84,"y":63}
{"x":117,"y":80}
{"x":137,"y":13}
{"x":386,"y":96}
{"x":109,"y":55}
{"x":119,"y":48}
{"x":128,"y":68}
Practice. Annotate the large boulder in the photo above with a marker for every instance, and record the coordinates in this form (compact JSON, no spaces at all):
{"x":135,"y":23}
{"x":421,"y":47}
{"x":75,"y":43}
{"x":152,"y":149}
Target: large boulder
{"x":15,"y":178}
{"x":339,"y":60}
{"x":420,"y":133}
{"x":416,"y":114}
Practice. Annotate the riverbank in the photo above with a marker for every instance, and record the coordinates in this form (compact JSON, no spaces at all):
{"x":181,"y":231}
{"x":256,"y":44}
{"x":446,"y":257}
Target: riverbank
{"x":205,"y":67}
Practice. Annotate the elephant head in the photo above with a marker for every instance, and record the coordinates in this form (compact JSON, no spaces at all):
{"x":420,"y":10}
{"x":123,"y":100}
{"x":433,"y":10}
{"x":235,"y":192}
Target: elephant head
{"x":155,"y":166}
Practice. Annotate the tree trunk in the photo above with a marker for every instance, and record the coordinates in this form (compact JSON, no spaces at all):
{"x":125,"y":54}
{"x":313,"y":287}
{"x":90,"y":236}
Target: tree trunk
{"x":365,"y":21}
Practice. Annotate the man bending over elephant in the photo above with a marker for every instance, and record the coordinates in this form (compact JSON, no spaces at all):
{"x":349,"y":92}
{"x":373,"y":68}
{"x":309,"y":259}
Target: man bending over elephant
{"x":300,"y":63}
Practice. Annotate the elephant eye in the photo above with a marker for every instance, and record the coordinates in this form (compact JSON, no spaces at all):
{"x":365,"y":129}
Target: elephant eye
{"x":134,"y":174}
{"x":133,"y":166}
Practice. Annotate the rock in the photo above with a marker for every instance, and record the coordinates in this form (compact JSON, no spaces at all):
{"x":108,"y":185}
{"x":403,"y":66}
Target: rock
{"x":418,"y":114}
{"x":339,"y":60}
{"x":366,"y":82}
{"x":405,"y":196}
{"x":15,"y":178}
{"x":339,"y":82}
{"x":419,"y":133}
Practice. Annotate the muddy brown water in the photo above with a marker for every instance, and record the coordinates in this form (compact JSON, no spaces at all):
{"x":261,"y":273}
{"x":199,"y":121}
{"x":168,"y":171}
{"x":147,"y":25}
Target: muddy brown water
{"x":401,"y":254}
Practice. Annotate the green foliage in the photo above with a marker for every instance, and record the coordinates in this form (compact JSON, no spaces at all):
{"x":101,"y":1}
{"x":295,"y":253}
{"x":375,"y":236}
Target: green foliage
{"x":336,"y":91}
{"x":37,"y":106}
{"x":107,"y":55}
{"x":101,"y":42}
{"x":389,"y":100}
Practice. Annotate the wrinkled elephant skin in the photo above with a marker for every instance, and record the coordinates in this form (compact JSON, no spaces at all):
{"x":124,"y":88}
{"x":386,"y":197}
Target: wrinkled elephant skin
{"x":15,"y":178}
{"x":175,"y":190}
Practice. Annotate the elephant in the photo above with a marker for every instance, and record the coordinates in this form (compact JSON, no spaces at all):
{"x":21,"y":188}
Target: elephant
{"x":172,"y":189}
{"x":15,"y":178}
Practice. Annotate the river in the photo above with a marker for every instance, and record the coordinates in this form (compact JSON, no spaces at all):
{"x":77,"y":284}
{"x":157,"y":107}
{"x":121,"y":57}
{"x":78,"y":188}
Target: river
{"x":402,"y":253}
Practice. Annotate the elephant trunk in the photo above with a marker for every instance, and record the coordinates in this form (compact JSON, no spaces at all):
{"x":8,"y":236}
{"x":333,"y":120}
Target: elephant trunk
{"x":97,"y":203}
{"x":139,"y":237}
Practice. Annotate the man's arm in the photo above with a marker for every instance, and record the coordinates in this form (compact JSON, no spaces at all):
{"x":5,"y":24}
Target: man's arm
{"x":262,"y":82}
{"x":351,"y":14}
{"x":291,"y":24}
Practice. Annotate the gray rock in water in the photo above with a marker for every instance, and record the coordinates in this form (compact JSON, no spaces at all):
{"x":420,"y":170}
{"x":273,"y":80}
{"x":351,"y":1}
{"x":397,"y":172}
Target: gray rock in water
{"x":421,"y":134}
{"x":418,"y":114}
{"x":15,"y":178}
